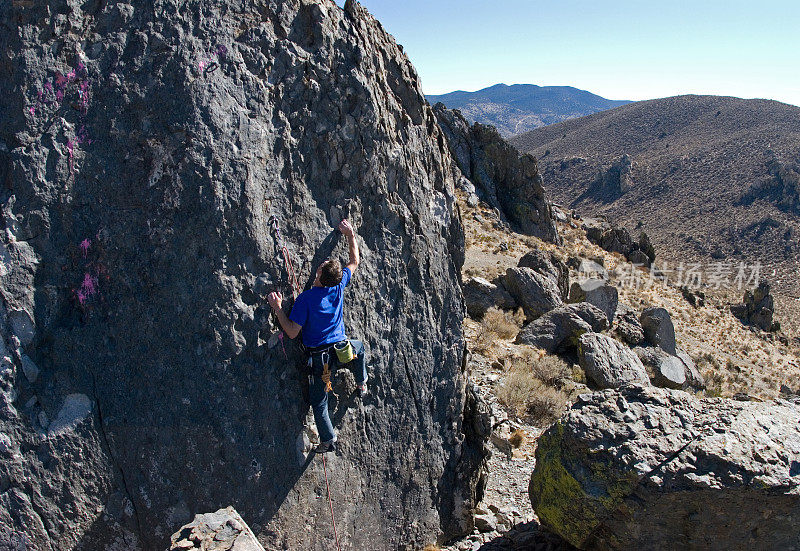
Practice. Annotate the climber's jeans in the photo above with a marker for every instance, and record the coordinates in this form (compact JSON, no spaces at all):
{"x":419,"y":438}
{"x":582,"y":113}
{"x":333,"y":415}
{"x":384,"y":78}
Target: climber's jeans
{"x":316,"y":389}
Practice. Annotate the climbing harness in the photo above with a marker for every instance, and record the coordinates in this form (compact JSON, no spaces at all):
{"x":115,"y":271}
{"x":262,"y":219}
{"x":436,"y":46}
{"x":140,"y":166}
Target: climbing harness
{"x":330,"y":502}
{"x":287,"y":260}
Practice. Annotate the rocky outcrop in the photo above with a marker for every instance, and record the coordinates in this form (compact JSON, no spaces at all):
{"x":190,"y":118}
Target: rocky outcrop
{"x":617,"y":240}
{"x":608,"y":363}
{"x":504,"y":179}
{"x":757,"y":308}
{"x":480,"y":295}
{"x":649,"y":468}
{"x":559,"y":329}
{"x":144,"y":151}
{"x":612,"y":181}
{"x":548,"y":265}
{"x":224,"y":530}
{"x":536,"y":293}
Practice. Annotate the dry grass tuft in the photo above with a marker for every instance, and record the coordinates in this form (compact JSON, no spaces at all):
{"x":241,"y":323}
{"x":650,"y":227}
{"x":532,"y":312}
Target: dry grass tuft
{"x":517,"y":438}
{"x":432,"y":547}
{"x":502,"y":324}
{"x":526,"y":394}
{"x":547,"y":368}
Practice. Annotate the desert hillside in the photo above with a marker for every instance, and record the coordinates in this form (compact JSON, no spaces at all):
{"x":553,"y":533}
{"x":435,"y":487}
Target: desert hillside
{"x":710,"y":179}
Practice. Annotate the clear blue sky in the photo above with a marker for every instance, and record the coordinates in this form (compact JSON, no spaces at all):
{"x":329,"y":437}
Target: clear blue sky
{"x":620,"y":50}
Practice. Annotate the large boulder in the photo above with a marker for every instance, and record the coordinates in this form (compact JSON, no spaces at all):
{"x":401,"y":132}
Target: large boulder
{"x":650,"y":468}
{"x":658,"y":329}
{"x":505,"y":179}
{"x":670,"y":371}
{"x":536,"y":293}
{"x":480,"y":295}
{"x":223,"y":530}
{"x":609,"y":363}
{"x":144,"y":149}
{"x":559,"y":329}
{"x":597,"y":293}
{"x":628,"y":327}
{"x":548,"y":265}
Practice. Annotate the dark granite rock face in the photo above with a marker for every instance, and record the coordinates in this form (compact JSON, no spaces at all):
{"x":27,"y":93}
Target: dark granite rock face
{"x":505,"y":179}
{"x":144,"y":148}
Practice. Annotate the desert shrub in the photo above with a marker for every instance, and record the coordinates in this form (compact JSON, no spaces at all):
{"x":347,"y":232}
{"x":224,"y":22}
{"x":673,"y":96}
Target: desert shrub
{"x":484,"y":343}
{"x":517,"y":388}
{"x":517,"y":438}
{"x":500,"y":323}
{"x":577,"y":374}
{"x":550,"y":369}
{"x":546,"y":404}
{"x":547,"y":368}
{"x":526,"y":394}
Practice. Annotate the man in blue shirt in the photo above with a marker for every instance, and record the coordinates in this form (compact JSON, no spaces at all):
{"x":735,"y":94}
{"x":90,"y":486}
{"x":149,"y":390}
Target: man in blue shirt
{"x":318,"y":313}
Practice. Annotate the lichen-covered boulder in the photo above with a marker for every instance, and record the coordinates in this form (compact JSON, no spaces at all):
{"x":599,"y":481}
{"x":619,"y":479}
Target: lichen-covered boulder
{"x":600,"y":294}
{"x":670,"y":371}
{"x":548,"y":265}
{"x":608,"y":363}
{"x":628,"y":327}
{"x":559,"y":329}
{"x":651,"y":468}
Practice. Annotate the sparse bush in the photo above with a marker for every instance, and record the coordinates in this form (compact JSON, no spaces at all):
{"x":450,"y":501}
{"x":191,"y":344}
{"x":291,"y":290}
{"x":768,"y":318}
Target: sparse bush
{"x":500,"y":323}
{"x":524,"y":393}
{"x":547,"y":404}
{"x":517,"y":388}
{"x":577,"y":374}
{"x":549,"y":369}
{"x":517,"y":438}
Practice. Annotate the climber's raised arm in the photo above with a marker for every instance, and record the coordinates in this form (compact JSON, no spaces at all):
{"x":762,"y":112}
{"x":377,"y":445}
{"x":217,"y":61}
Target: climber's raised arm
{"x":347,"y":231}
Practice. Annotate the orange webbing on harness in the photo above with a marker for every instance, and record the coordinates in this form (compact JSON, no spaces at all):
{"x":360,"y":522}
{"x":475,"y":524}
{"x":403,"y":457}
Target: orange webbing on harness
{"x":326,"y":372}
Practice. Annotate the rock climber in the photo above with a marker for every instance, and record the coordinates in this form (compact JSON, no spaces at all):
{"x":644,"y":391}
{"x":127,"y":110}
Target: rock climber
{"x":318,"y":313}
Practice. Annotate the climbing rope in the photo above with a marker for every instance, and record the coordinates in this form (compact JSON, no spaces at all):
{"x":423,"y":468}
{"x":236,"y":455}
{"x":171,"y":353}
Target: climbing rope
{"x":330,"y":502}
{"x":287,"y":259}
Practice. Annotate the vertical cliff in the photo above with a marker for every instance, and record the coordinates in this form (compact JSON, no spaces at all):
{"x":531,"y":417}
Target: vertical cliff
{"x":144,"y":148}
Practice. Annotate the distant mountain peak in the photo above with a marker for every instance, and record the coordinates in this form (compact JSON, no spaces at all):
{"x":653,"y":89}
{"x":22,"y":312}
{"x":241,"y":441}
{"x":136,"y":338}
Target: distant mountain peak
{"x":517,"y":108}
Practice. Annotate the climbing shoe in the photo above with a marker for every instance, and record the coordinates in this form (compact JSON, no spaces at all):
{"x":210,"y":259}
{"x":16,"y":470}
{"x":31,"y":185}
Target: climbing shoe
{"x":362,"y":389}
{"x":325,"y":447}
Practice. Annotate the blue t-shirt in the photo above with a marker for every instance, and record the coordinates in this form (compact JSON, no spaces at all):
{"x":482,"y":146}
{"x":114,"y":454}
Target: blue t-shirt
{"x":319,"y":312}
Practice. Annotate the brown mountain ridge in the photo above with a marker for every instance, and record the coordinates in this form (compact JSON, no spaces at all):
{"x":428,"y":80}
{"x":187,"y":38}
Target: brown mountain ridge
{"x":711,"y":179}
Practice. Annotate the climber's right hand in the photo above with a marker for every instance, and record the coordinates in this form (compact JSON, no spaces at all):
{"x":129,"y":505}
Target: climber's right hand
{"x":275,"y":300}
